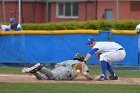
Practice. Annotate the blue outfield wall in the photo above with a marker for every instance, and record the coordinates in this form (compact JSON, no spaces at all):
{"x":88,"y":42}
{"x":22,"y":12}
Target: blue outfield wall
{"x":57,"y":48}
{"x":130,"y":43}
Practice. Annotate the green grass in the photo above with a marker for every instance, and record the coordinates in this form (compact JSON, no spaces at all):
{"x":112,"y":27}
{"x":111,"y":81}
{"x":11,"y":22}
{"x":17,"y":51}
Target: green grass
{"x":69,"y":88}
{"x":93,"y":71}
{"x":11,"y":70}
{"x":119,"y":72}
{"x":66,"y":88}
{"x":128,"y":73}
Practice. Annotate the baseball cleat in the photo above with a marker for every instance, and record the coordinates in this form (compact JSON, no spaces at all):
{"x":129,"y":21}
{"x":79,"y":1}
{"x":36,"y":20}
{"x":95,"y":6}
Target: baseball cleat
{"x":32,"y":69}
{"x":113,"y":77}
{"x":102,"y":78}
{"x":26,"y":70}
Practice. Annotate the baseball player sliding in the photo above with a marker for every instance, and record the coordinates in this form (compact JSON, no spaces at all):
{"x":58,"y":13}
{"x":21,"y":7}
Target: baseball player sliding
{"x":107,"y":52}
{"x":67,"y":70}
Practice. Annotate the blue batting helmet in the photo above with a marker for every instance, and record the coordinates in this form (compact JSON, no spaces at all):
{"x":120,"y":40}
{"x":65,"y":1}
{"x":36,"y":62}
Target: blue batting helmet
{"x":11,"y":20}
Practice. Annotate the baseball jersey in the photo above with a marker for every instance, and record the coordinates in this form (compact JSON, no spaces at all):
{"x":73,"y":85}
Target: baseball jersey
{"x":61,"y":72}
{"x":138,"y":27}
{"x":72,"y":63}
{"x":16,"y":27}
{"x":103,"y":47}
{"x":5,"y":27}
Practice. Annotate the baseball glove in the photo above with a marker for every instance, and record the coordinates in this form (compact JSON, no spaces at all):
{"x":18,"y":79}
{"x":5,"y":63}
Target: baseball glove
{"x":78,"y":68}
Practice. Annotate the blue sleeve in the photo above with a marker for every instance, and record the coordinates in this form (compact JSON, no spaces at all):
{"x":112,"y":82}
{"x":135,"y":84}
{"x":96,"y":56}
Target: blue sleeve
{"x":19,"y":29}
{"x":7,"y":29}
{"x":92,"y":51}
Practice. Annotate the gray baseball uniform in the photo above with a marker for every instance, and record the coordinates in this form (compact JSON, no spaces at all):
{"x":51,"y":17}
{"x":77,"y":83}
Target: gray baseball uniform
{"x":61,"y":72}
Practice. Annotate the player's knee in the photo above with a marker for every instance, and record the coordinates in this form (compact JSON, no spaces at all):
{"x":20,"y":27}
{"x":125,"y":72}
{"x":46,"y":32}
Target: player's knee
{"x":103,"y":58}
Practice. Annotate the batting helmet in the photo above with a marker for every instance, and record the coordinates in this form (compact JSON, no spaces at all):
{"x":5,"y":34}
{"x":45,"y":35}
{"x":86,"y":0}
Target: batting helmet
{"x":11,"y":20}
{"x":79,"y":57}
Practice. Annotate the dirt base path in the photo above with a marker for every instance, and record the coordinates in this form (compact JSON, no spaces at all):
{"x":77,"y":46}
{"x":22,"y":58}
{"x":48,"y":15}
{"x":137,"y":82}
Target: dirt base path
{"x":27,"y":78}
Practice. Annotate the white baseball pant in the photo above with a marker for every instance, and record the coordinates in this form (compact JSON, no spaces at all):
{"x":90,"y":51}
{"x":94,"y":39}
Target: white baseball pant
{"x":114,"y":56}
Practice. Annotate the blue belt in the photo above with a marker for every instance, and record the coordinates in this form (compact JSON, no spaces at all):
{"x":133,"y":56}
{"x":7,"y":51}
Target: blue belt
{"x":121,"y":49}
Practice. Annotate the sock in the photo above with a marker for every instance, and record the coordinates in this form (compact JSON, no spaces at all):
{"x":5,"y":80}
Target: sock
{"x":109,"y":68}
{"x":40,"y":76}
{"x":104,"y":66}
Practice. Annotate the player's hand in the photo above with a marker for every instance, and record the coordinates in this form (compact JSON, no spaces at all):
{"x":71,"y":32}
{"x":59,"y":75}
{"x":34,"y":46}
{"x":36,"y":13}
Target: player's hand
{"x":83,"y":63}
{"x":91,"y":78}
{"x":56,"y":66}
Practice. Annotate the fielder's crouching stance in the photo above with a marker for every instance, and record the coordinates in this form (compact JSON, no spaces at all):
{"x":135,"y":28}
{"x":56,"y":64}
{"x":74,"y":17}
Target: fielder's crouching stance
{"x":106,"y":52}
{"x":67,"y":70}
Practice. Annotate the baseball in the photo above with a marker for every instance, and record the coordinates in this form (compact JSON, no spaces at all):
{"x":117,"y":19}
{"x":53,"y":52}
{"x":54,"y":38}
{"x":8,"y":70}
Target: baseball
{"x":78,"y":71}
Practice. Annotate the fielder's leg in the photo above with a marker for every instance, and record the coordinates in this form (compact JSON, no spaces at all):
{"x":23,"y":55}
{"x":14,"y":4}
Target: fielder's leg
{"x":114,"y":57}
{"x":113,"y":75}
{"x":109,"y":68}
{"x":103,"y":60}
{"x":103,"y":66}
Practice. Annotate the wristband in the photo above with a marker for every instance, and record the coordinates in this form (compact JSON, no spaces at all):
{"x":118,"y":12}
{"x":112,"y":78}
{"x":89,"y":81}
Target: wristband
{"x":85,"y":61}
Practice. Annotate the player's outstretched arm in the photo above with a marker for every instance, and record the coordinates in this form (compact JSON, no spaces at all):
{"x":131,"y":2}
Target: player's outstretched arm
{"x":87,"y":57}
{"x":92,"y":51}
{"x":88,"y":76}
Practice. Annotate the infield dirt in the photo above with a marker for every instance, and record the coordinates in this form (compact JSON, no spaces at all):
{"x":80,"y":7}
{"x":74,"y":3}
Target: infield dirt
{"x":28,"y":78}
